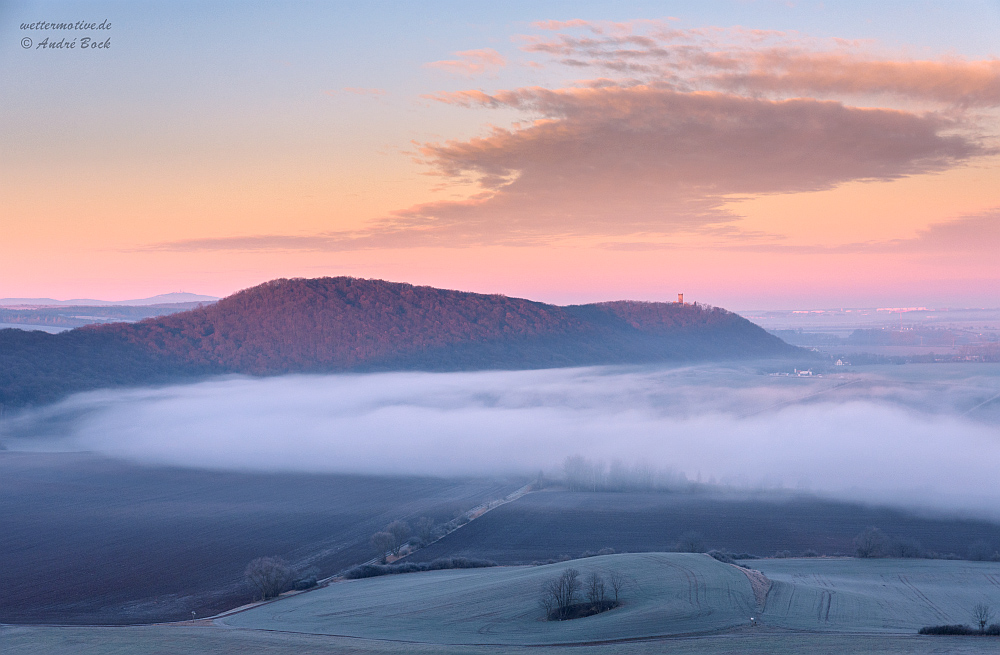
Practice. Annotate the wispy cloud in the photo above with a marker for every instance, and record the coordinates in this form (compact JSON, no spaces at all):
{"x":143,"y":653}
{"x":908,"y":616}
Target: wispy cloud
{"x":759,"y":61}
{"x":471,"y":62}
{"x":358,"y":91}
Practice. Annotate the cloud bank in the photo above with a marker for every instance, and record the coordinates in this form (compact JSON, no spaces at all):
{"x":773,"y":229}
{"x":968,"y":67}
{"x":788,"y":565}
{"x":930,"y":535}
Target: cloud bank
{"x":871,"y":440}
{"x":668,"y":126}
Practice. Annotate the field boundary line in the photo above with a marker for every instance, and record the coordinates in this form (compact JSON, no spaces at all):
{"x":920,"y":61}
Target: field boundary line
{"x":472,"y":514}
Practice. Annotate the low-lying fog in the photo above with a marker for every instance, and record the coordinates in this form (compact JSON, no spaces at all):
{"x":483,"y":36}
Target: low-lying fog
{"x":912,"y":436}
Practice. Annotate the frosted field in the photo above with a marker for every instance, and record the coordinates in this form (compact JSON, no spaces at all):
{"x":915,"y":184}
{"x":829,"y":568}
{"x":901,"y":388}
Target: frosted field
{"x":184,"y":640}
{"x":679,"y":603}
{"x":877,"y":595}
{"x":669,"y":594}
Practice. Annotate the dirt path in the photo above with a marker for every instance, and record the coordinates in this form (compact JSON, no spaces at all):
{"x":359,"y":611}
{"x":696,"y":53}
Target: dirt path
{"x":760,"y":584}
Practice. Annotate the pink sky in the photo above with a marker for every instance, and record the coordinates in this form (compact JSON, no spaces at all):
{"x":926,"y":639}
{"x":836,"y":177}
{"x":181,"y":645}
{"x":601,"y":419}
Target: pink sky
{"x":569,"y":161}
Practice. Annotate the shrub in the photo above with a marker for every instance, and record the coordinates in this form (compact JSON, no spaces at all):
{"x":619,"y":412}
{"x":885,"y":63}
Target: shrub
{"x":947,"y":630}
{"x":603,"y":551}
{"x":725,"y":558}
{"x":809,"y":552}
{"x":305,"y":583}
{"x":376,"y":570}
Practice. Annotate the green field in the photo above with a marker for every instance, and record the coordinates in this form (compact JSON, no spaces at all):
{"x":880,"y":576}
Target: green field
{"x":681,"y":603}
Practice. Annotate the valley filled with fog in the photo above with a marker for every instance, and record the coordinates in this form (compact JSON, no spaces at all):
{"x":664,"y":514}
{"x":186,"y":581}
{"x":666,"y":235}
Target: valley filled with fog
{"x":913,"y":436}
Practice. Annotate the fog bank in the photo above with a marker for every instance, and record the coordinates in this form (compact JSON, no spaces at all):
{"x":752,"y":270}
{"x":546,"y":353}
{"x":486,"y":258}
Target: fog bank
{"x":858,"y":437}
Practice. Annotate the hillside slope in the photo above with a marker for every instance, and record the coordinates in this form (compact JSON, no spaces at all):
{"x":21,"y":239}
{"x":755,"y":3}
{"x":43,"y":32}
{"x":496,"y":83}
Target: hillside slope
{"x":666,"y":594}
{"x":350,"y":324}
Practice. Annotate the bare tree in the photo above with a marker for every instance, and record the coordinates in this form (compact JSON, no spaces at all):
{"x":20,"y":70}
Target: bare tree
{"x":425,"y":529}
{"x":871,"y":543}
{"x":267,"y":576}
{"x":559,"y":594}
{"x":400,"y":532}
{"x":382,"y":542}
{"x":583,"y":474}
{"x":690,"y":542}
{"x":983,"y":615}
{"x":595,"y":590}
{"x":906,"y":547}
{"x":616,"y":579}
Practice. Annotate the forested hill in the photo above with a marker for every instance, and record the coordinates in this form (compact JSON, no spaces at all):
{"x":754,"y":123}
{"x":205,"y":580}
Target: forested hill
{"x":349,"y":324}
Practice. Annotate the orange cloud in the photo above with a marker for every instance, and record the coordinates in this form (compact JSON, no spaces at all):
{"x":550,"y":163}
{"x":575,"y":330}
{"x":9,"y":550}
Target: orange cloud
{"x":647,"y":161}
{"x":679,"y":124}
{"x":617,"y":160}
{"x":471,"y":62}
{"x":756,"y":61}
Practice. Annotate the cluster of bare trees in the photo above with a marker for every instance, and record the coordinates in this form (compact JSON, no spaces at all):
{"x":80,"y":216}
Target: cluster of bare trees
{"x":569,"y":597}
{"x":875,"y":543}
{"x":268,"y":576}
{"x":583,"y":474}
{"x":391,"y":540}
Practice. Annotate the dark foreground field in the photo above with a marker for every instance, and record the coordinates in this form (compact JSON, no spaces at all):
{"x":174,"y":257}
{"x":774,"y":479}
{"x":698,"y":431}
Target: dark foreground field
{"x":90,"y":540}
{"x":551,"y":524}
{"x":210,"y":640}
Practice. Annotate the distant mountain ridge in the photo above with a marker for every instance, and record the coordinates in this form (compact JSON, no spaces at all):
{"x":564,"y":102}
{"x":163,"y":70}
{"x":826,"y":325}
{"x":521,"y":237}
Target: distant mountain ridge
{"x":161,"y":299}
{"x":350,"y":324}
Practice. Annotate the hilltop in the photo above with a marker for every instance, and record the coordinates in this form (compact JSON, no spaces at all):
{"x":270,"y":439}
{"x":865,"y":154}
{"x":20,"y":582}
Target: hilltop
{"x":350,"y":324}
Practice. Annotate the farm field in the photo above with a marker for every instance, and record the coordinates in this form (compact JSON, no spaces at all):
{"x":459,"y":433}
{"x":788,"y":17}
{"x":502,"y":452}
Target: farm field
{"x":668,"y":594}
{"x":92,"y":540}
{"x":872,"y":595}
{"x":553,"y":523}
{"x":212,"y":640}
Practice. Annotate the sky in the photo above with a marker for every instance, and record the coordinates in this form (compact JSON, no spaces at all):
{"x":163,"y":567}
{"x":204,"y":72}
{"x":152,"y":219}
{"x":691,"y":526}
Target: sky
{"x":749,"y":154}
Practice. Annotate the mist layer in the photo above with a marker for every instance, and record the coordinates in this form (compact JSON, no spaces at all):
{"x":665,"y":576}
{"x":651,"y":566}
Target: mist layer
{"x":855,"y":437}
